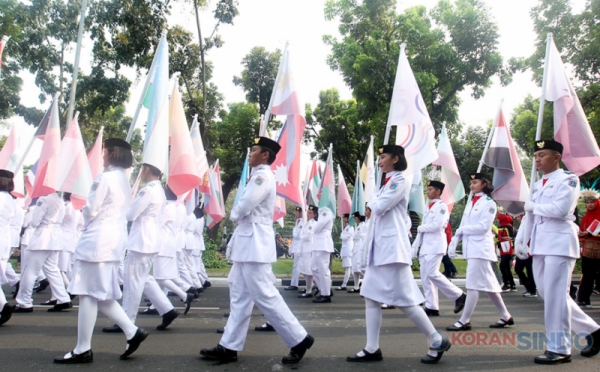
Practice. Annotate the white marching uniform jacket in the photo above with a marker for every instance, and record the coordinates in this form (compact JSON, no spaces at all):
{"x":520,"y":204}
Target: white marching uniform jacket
{"x":143,"y":212}
{"x":69,"y":227}
{"x":253,"y":239}
{"x":347,"y":237}
{"x":180,"y":226}
{"x":104,"y":224}
{"x":7,"y":211}
{"x":432,"y":230}
{"x":167,"y":222}
{"x":189,"y":225}
{"x":198,"y":233}
{"x":16,"y":222}
{"x":306,"y":237}
{"x":27,"y":226}
{"x":322,"y":240}
{"x":46,"y":219}
{"x":553,"y":231}
{"x":387,"y":239}
{"x":296,"y":247}
{"x":476,"y":229}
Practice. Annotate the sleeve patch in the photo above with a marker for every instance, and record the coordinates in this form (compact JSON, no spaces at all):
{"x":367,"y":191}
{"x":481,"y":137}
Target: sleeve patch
{"x":393,"y":186}
{"x":324,"y":214}
{"x":142,"y":193}
{"x":573,"y":183}
{"x":95,"y":186}
{"x":492,"y":211}
{"x":259,"y":180}
{"x":39,"y":203}
{"x":442,"y":211}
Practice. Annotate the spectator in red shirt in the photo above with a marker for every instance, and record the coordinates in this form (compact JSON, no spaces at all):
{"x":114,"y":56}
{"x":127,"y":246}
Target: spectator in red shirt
{"x":505,"y":243}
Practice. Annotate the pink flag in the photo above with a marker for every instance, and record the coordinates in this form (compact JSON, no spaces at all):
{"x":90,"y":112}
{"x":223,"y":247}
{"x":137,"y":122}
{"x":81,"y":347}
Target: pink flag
{"x":280,"y":211}
{"x":46,"y":172}
{"x":2,"y":44}
{"x":326,"y":192}
{"x":95,"y":156}
{"x":18,"y":180}
{"x":73,"y":172}
{"x":571,"y":128}
{"x":8,"y":154}
{"x":215,"y":208}
{"x":454,"y":190}
{"x":184,"y":173}
{"x":285,"y":97}
{"x":201,"y":159}
{"x":344,"y":199}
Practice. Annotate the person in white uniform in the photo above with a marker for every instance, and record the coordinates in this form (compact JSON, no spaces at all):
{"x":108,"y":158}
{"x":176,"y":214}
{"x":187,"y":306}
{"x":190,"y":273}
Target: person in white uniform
{"x":199,"y":268}
{"x":432,"y":240}
{"x":185,"y":278}
{"x":44,"y":247}
{"x":16,"y":224}
{"x":142,"y":247}
{"x":306,"y":239}
{"x":479,"y":249}
{"x":358,"y":238}
{"x":191,"y":244}
{"x":69,"y":229}
{"x":388,"y":276}
{"x":320,"y":257}
{"x":295,"y":249}
{"x":252,"y":250}
{"x":7,"y":212}
{"x":554,"y":245}
{"x":99,"y":252}
{"x":346,"y":252}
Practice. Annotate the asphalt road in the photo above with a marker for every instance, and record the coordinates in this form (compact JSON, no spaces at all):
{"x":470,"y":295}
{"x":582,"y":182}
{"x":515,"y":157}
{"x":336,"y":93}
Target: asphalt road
{"x":28,"y":342}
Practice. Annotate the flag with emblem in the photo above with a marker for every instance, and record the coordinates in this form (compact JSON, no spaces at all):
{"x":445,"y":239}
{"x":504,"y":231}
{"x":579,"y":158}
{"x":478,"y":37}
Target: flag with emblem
{"x":510,"y":185}
{"x":73,"y":168}
{"x":571,"y":127}
{"x":215,"y":207}
{"x":358,"y":196}
{"x":326,"y":192}
{"x":184,"y":172}
{"x":344,"y":200}
{"x":243,"y":182}
{"x":368,"y":172}
{"x":454,"y":190}
{"x":313,"y":182}
{"x":95,"y":155}
{"x":201,"y":159}
{"x":46,"y":171}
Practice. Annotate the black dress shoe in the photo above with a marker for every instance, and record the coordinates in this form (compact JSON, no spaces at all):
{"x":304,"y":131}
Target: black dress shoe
{"x":220,"y":353}
{"x":226,"y":315}
{"x":60,"y":307}
{"x":207,"y":284}
{"x":167,"y":319}
{"x":368,"y":357}
{"x":112,"y":329}
{"x":265,"y":328}
{"x":188,"y":303}
{"x":220,"y":330}
{"x":503,"y":323}
{"x":134,"y":343}
{"x":150,"y":311}
{"x":552,"y":358}
{"x":6,"y":313}
{"x":443,"y":345}
{"x":431,"y":312}
{"x":353,"y":290}
{"x":49,"y":303}
{"x":302,"y":290}
{"x":43,"y":285}
{"x":85,"y":357}
{"x":322,"y":300}
{"x":463,"y":327}
{"x":297,"y":352}
{"x":291,"y":288}
{"x":340,"y":288}
{"x":428,"y":359}
{"x":305,"y":295}
{"x":19,"y":309}
{"x":199,"y":290}
{"x":459,"y":304}
{"x":592,"y":349}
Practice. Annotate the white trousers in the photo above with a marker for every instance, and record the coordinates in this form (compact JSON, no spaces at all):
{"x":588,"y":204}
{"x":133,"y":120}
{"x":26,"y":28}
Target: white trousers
{"x":561,"y":314}
{"x":137,"y":280}
{"x":189,"y":263}
{"x":251,"y":283}
{"x":12,"y":277}
{"x":319,"y":265}
{"x":184,"y":274}
{"x":432,"y":280}
{"x":200,"y":269}
{"x":47,"y":261}
{"x":296,"y":270}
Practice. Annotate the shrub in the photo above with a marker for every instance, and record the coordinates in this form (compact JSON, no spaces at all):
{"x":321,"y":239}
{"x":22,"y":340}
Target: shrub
{"x":211,"y":257}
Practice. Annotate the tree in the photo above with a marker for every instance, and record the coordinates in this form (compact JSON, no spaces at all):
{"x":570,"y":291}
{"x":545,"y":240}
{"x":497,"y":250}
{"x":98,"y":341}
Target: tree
{"x":258,"y":76}
{"x":468,"y":148}
{"x":452,"y":48}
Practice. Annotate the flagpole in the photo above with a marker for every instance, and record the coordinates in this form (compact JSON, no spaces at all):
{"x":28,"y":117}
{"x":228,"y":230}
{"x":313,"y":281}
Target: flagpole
{"x":141,"y":101}
{"x":76,"y":64}
{"x":277,"y":79}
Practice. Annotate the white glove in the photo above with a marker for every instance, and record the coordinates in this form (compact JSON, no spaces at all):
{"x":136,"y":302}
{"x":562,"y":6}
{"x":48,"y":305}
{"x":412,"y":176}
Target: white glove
{"x":458,"y":231}
{"x":415,"y":250}
{"x":452,"y":247}
{"x":521,"y":250}
{"x":419,"y":229}
{"x":529,"y":205}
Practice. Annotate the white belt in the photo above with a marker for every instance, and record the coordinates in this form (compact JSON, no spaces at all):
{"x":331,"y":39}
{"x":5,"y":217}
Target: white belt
{"x":256,"y":219}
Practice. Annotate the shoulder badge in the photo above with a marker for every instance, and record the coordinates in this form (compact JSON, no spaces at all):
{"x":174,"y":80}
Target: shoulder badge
{"x":393,"y":186}
{"x":324,"y":214}
{"x":39,"y":203}
{"x":492,"y":211}
{"x":310,"y":227}
{"x":94,"y":186}
{"x":442,"y":211}
{"x":567,"y":172}
{"x":572,"y":183}
{"x":259,"y":180}
{"x":151,"y":184}
{"x":142,"y":193}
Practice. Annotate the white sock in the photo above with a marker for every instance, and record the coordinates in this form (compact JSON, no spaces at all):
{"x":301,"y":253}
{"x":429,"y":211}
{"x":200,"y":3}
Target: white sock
{"x":346,"y":277}
{"x":421,"y":320}
{"x":472,"y":298}
{"x":499,"y":303}
{"x":309,"y":283}
{"x":356,"y":280}
{"x":65,"y":279}
{"x":170,"y":286}
{"x":373,"y":318}
{"x":115,"y":312}
{"x":86,"y":320}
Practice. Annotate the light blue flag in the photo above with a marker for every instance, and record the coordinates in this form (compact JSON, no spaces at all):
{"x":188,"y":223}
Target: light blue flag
{"x":243,"y":182}
{"x":358,"y":196}
{"x":416,"y":200}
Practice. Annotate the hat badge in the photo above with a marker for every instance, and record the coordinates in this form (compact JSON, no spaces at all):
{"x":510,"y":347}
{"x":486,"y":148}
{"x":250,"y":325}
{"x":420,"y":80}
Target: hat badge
{"x":429,"y":183}
{"x":541,"y":144}
{"x":381,"y":150}
{"x":472,"y":176}
{"x":256,"y":140}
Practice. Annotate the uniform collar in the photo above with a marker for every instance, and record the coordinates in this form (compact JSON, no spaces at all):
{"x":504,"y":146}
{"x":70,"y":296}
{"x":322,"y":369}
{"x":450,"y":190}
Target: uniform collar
{"x":392,"y":174}
{"x":262,"y":166}
{"x":114,"y":167}
{"x":155,"y":181}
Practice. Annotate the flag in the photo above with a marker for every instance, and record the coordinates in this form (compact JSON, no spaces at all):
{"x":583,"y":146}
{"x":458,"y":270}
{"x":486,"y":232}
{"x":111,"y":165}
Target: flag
{"x":326,"y":193}
{"x":285,"y":96}
{"x":367,"y":172}
{"x":72,"y":167}
{"x":454,"y":190}
{"x":201,"y":159}
{"x":95,"y":156}
{"x":29,"y":182}
{"x":243,"y":182}
{"x":215,"y":207}
{"x":416,"y":199}
{"x":314,"y":182}
{"x":279,"y":211}
{"x":19,"y":190}
{"x":358,"y":196}
{"x":2,"y":44}
{"x":571,"y":128}
{"x":8,"y":155}
{"x":156,"y":140}
{"x":344,"y":200}
{"x":184,"y":173}
{"x":510,"y":185}
{"x":46,"y":171}
{"x":408,"y":112}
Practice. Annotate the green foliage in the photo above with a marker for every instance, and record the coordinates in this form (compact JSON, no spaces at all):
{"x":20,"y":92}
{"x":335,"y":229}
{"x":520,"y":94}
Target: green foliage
{"x":211,"y":257}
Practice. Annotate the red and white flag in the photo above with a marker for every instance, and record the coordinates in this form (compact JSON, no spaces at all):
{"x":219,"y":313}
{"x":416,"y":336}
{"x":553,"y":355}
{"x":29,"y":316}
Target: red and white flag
{"x":454,"y":190}
{"x":46,"y":171}
{"x":95,"y":156}
{"x":571,"y":128}
{"x":344,"y":199}
{"x":215,"y":208}
{"x":510,"y":185}
{"x":279,"y":211}
{"x":8,"y":155}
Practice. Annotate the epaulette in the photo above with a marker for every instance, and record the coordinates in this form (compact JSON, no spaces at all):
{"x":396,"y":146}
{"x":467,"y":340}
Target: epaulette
{"x":567,"y":172}
{"x":489,"y":198}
